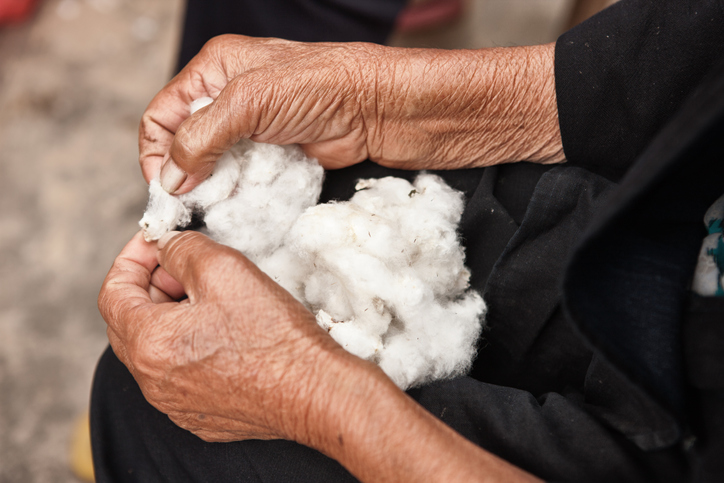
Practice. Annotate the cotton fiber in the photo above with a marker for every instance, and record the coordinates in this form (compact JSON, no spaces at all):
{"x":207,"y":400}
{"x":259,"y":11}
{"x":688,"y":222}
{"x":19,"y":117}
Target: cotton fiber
{"x":383,"y":273}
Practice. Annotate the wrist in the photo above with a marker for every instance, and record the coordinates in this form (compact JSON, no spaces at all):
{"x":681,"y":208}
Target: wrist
{"x":362,"y":420}
{"x":352,"y":406}
{"x":340,"y":384}
{"x":463,"y":108}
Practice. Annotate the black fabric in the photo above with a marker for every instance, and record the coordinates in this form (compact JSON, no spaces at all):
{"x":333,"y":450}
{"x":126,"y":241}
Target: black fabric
{"x":303,"y":20}
{"x":622,"y":75}
{"x":529,"y":344}
{"x":643,"y":250}
{"x":140,"y":444}
{"x":703,"y":336}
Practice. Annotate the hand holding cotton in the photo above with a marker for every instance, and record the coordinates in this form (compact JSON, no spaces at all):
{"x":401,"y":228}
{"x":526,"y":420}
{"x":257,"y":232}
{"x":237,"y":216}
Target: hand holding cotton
{"x":384,"y":272}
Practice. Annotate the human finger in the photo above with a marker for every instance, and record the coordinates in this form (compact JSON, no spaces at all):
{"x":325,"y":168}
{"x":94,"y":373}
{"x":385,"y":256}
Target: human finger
{"x":202,"y":77}
{"x":158,"y":296}
{"x":165,"y":283}
{"x":159,"y":122}
{"x":125,"y":288}
{"x":200,"y":264}
{"x":202,"y":138}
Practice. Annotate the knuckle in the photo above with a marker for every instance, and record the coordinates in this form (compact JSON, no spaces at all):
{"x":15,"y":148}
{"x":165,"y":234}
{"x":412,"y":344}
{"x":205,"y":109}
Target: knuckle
{"x":204,"y":254}
{"x":144,"y":126}
{"x":217,"y":44}
{"x":193,"y":152}
{"x":210,"y":46}
{"x":150,"y":354}
{"x":185,"y":245}
{"x":184,"y":144}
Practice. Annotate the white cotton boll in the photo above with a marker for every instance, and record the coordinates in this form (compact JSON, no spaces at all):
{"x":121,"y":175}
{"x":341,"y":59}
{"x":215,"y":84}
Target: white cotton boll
{"x":402,"y":359}
{"x":218,"y":186}
{"x":383,"y":273}
{"x":352,"y":335}
{"x":408,"y":290}
{"x":439,"y":197}
{"x":323,"y":289}
{"x":346,"y":225}
{"x":275,"y":185}
{"x":432,"y":229}
{"x":443,"y":269}
{"x":240,"y":223}
{"x":164,"y":213}
{"x":437,"y":342}
{"x":457,"y":338}
{"x":362,"y":275}
{"x":393,"y":265}
{"x":288,"y":270}
{"x":323,"y":226}
{"x":426,"y":213}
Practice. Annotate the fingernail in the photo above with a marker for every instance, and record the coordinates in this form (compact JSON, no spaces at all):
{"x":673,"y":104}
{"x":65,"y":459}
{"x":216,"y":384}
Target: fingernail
{"x":172,"y":177}
{"x":165,"y":238}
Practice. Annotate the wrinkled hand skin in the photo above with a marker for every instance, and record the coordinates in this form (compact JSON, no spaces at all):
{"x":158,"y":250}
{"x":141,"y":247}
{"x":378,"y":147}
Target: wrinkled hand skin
{"x":343,"y":103}
{"x":240,"y":358}
{"x":228,"y":363}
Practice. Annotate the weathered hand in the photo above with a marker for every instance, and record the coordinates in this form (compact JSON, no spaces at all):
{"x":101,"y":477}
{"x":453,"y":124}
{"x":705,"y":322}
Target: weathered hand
{"x":236,"y":360}
{"x":241,"y":359}
{"x":403,"y":108}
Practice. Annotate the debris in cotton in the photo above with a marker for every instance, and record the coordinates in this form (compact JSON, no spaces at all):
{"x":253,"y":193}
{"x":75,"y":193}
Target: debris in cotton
{"x":384,"y":272}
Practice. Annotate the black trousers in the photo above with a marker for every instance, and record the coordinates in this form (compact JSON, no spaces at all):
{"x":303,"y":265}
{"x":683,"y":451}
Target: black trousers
{"x":133,"y":442}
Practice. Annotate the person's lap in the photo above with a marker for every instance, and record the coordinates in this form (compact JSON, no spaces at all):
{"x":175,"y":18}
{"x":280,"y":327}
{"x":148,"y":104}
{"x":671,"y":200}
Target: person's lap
{"x":132,"y":441}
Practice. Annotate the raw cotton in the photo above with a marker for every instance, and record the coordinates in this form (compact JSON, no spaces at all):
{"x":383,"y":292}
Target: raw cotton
{"x":384,"y":272}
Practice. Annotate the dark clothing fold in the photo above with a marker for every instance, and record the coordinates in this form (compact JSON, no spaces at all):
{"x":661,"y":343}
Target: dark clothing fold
{"x":623,"y":74}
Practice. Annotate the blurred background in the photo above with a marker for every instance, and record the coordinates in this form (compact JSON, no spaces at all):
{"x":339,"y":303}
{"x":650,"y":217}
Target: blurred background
{"x":75,"y":77}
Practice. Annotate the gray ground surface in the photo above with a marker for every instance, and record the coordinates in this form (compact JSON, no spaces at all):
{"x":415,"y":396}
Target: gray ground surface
{"x":73,"y":85}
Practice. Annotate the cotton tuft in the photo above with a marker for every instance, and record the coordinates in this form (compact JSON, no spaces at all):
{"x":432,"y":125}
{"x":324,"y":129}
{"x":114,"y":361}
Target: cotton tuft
{"x":384,"y":273}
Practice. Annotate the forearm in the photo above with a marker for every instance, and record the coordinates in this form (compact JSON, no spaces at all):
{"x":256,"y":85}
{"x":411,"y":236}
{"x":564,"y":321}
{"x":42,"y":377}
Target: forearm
{"x":344,"y":103}
{"x":378,"y":433}
{"x":465,"y":108}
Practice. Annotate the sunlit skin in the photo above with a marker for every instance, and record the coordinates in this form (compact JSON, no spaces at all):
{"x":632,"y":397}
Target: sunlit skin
{"x":402,"y":108}
{"x":222,"y":349}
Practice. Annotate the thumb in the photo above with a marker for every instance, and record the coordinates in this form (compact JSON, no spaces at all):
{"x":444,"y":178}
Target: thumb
{"x":203,"y":267}
{"x":205,"y":135}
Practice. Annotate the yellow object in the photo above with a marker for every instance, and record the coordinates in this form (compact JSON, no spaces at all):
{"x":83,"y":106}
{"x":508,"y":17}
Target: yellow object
{"x":81,"y":459}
